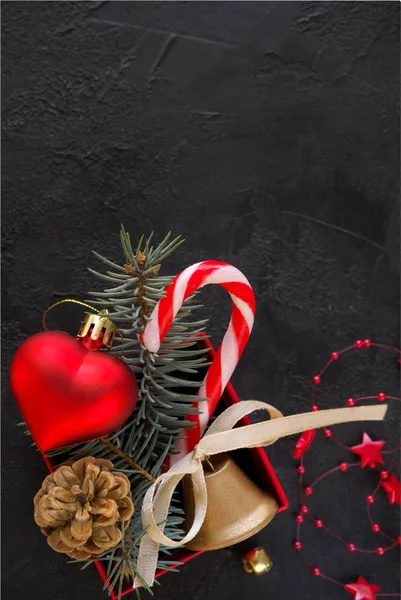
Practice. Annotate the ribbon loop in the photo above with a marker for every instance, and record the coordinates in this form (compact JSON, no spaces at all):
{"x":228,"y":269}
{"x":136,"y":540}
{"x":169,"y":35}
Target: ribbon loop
{"x":222,"y":437}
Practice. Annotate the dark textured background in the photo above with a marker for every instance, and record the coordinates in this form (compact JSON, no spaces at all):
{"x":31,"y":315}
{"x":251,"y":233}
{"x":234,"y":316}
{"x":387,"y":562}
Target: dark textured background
{"x":268,"y":135}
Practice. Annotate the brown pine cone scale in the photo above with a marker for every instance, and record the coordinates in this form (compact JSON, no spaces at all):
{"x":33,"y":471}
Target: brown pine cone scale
{"x":81,"y":505}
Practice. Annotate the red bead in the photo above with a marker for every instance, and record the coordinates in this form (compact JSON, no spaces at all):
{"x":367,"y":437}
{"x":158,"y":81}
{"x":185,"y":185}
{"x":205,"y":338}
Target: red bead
{"x":381,"y":397}
{"x":308,"y":491}
{"x":358,"y":344}
{"x":315,"y":408}
{"x":316,"y":572}
{"x":384,"y":474}
{"x":350,"y":402}
{"x":297,"y":545}
{"x":327,"y":432}
{"x":370,"y":499}
{"x":375,"y":527}
{"x":304,"y":509}
{"x":366,"y":343}
{"x":301,"y":469}
{"x":319,"y":524}
{"x":399,"y":540}
{"x":343,"y":466}
{"x":334,"y":356}
{"x":316,"y":379}
{"x":351,"y":547}
{"x":371,"y":464}
{"x":299,"y":519}
{"x":380,"y":551}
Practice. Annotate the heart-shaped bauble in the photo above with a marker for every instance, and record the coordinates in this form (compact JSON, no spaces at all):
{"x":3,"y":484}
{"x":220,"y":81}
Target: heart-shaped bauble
{"x":69,"y":394}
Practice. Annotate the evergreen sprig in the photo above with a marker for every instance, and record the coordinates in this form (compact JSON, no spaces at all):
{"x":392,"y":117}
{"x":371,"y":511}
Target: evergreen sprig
{"x":167,"y":381}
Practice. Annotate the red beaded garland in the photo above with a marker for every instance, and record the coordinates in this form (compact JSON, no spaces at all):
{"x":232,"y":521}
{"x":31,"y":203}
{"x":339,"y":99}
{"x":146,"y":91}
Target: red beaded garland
{"x":345,"y":466}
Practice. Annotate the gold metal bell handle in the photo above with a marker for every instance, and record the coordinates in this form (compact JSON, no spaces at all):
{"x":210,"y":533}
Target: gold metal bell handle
{"x":257,"y":562}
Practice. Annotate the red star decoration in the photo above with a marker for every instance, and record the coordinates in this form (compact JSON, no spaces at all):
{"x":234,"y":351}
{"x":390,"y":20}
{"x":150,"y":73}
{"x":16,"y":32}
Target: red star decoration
{"x":304,"y":443}
{"x":362,"y":590}
{"x":369,"y":451}
{"x":392,"y":487}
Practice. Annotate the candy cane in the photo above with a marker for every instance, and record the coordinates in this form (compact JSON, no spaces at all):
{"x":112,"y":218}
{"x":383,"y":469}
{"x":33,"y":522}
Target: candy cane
{"x":234,"y":341}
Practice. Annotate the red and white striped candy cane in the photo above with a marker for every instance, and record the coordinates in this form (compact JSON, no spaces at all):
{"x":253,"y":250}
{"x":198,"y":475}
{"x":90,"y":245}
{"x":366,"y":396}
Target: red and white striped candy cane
{"x":234,"y":341}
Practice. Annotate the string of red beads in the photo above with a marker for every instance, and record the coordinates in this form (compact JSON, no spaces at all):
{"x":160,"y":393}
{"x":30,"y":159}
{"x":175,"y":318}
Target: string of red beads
{"x":343,"y":467}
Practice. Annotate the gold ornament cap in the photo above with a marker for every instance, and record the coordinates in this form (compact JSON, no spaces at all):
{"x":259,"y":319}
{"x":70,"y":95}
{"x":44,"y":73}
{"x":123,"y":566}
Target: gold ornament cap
{"x":257,"y":562}
{"x":95,"y":324}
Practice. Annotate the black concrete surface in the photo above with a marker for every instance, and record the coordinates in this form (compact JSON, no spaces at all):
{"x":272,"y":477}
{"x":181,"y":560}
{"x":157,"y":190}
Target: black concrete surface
{"x":267,"y":134}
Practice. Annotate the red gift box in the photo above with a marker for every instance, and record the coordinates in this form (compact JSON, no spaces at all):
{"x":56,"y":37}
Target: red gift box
{"x":258,"y":456}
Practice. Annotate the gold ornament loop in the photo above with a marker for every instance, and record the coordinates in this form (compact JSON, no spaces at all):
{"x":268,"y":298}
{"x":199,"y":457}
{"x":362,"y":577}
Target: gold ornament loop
{"x":63,"y":302}
{"x":92,"y":324}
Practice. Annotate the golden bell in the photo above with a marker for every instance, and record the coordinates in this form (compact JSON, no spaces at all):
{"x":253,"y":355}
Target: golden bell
{"x":257,"y":562}
{"x":236,"y":510}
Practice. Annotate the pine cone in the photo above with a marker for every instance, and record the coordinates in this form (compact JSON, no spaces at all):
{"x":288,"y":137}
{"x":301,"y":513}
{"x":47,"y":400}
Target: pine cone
{"x":80,"y":505}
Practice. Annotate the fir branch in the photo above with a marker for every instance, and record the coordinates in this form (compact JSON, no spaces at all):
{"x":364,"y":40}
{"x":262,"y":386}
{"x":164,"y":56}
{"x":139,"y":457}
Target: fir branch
{"x":167,"y":386}
{"x":130,"y":305}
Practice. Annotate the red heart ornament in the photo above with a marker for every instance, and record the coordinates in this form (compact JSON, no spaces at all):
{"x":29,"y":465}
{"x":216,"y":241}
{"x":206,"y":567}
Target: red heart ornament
{"x":69,"y":394}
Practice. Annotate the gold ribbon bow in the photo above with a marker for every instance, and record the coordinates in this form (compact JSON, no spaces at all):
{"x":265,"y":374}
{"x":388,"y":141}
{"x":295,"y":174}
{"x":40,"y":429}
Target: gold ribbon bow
{"x":221,"y":437}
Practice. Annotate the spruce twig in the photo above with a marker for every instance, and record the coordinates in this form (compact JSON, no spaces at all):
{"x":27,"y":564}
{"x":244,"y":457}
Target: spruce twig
{"x":167,"y":386}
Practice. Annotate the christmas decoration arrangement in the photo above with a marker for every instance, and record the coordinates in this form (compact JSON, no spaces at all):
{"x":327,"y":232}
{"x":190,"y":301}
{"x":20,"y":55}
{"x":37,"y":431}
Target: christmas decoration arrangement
{"x":369,"y":455}
{"x":122,"y":413}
